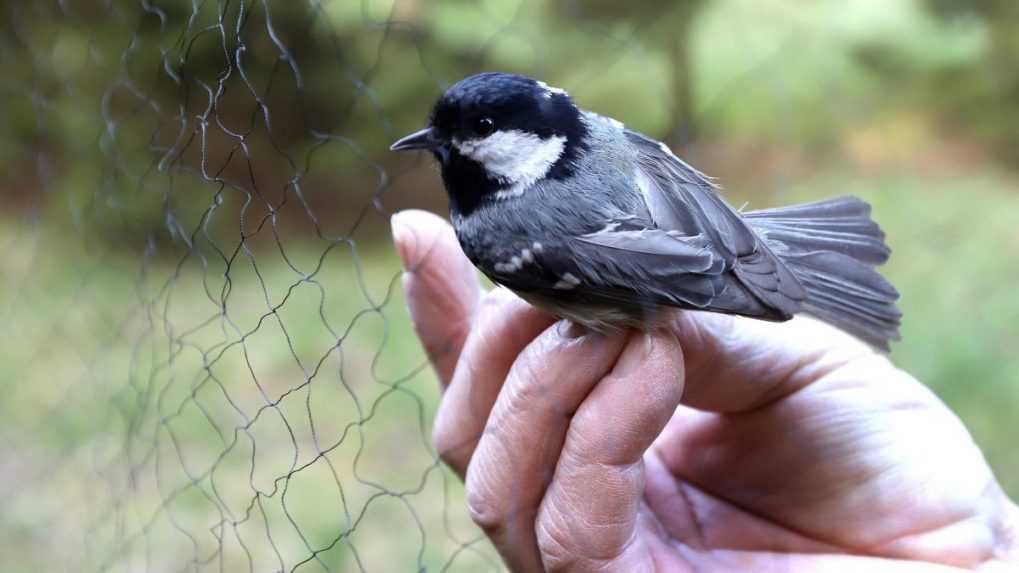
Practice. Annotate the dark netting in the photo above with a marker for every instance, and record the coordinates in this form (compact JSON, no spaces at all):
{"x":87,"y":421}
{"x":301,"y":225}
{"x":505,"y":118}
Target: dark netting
{"x":243,"y":406}
{"x":237,"y":386}
{"x":207,"y":363}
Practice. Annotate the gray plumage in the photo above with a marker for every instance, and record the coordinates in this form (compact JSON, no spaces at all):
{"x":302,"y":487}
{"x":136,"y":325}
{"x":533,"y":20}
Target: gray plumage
{"x":622,"y":230}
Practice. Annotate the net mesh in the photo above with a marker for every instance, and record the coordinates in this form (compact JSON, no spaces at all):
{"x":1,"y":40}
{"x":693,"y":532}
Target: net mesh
{"x":213,"y":369}
{"x":207,"y":364}
{"x":247,"y":398}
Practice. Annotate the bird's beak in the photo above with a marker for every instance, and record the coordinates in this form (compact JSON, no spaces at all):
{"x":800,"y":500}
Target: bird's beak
{"x":423,"y":139}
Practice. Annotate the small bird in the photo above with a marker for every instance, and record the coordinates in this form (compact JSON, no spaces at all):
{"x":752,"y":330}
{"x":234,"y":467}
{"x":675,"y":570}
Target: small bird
{"x":606,"y":227}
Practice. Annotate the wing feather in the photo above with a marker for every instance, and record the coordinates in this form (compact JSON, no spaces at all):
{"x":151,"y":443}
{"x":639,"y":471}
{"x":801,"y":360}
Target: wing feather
{"x":663,"y":266}
{"x":683,"y":199}
{"x":687,"y":254}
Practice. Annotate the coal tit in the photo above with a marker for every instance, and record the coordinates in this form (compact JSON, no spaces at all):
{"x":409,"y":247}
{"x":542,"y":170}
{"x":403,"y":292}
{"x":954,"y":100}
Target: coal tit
{"x":608,"y":228}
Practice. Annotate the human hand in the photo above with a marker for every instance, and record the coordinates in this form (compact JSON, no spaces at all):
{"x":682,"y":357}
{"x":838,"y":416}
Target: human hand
{"x":718,"y":444}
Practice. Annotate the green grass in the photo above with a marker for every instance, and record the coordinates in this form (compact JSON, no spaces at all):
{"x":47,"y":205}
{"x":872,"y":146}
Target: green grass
{"x":124,"y":377}
{"x":105,"y":369}
{"x":91,"y":345}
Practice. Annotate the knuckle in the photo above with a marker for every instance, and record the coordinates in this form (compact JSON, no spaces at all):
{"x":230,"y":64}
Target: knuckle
{"x":443,"y":439}
{"x":450,"y":444}
{"x":526,"y":395}
{"x":554,"y":545}
{"x":484,"y":507}
{"x":495,"y":299}
{"x":537,"y":361}
{"x":529,"y":383}
{"x":440,"y":345}
{"x":525,"y":382}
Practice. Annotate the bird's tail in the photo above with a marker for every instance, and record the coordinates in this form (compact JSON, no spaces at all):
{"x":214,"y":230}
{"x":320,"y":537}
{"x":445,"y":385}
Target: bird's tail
{"x":832,"y":247}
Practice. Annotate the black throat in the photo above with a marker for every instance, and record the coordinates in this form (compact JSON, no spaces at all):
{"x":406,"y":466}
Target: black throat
{"x":470,"y":185}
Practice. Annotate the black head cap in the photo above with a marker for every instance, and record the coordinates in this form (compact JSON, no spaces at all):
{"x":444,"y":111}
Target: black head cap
{"x":484,"y":104}
{"x":510,"y":102}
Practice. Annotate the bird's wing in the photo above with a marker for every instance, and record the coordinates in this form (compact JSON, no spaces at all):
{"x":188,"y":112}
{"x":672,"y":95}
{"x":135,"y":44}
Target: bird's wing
{"x":625,"y":259}
{"x":681,"y":198}
{"x":625,"y":263}
{"x":631,"y":265}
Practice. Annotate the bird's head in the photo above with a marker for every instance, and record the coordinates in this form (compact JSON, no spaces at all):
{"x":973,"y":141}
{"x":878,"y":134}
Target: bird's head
{"x":495,"y":134}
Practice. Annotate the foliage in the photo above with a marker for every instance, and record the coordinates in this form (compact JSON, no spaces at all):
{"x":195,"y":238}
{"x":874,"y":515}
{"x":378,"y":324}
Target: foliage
{"x":976,"y":91}
{"x":196,"y":205}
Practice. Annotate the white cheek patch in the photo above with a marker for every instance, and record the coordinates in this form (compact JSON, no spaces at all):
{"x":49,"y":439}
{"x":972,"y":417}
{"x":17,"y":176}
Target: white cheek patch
{"x":515,"y":157}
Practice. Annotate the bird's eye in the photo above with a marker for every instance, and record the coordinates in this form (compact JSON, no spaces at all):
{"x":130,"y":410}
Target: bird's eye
{"x":484,"y":126}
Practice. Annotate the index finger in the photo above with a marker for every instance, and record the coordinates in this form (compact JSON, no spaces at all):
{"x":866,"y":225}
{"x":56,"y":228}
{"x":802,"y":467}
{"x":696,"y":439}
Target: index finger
{"x":588,"y":518}
{"x":441,"y":286}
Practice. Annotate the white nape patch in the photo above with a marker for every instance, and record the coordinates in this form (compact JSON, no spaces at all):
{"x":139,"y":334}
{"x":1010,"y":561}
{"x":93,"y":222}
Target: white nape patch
{"x":515,"y":157}
{"x":550,"y":91}
{"x":567,"y":282}
{"x":610,"y":120}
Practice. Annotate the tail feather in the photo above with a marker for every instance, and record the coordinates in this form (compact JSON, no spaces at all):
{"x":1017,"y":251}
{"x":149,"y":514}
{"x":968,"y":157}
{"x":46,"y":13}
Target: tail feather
{"x":832,"y":247}
{"x":842,"y":225}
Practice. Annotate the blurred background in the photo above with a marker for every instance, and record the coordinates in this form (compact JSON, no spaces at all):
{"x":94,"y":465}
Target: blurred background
{"x":206,"y":363}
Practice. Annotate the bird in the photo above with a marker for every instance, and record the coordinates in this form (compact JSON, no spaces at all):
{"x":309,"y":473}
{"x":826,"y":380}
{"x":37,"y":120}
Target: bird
{"x":608,"y":228}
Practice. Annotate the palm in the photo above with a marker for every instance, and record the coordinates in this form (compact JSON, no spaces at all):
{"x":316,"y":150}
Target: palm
{"x":853,"y":462}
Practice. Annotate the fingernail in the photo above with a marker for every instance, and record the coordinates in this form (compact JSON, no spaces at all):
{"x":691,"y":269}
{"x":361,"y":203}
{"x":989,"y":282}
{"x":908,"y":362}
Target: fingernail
{"x":403,"y":237}
{"x":637,"y":351}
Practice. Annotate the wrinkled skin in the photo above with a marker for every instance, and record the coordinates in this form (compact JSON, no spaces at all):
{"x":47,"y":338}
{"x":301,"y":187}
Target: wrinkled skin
{"x":717,"y":444}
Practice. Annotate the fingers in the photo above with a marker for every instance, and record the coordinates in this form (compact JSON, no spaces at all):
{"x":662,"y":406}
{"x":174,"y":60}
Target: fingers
{"x":735,"y":364}
{"x":676,"y":557}
{"x":516,"y":456}
{"x":505,"y":325}
{"x":589,"y":516}
{"x":441,"y":286}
